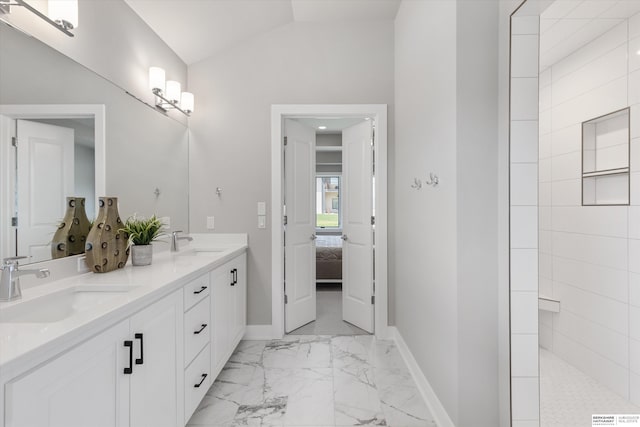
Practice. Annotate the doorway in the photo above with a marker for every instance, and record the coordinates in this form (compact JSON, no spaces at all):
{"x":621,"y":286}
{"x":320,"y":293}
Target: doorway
{"x":297,"y":270}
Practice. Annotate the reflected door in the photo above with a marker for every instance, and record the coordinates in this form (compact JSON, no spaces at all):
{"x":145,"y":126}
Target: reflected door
{"x":45,"y":177}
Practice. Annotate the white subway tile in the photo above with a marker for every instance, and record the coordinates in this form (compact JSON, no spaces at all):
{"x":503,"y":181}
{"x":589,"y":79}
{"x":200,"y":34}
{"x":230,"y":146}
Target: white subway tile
{"x":634,"y":255}
{"x":524,"y":184}
{"x":524,"y":227}
{"x":566,"y":193}
{"x":606,"y":251}
{"x":635,"y":388}
{"x":634,"y":57}
{"x":566,"y":166}
{"x":524,"y":141}
{"x":545,"y":287}
{"x":594,"y":220}
{"x":545,"y":268}
{"x":545,"y":317}
{"x":634,"y":160}
{"x":600,"y":368}
{"x":524,"y":312}
{"x":598,"y":309}
{"x":524,"y":98}
{"x":524,"y":56}
{"x":545,"y":98}
{"x":546,"y":335}
{"x":634,"y":26}
{"x":634,"y":321}
{"x":524,"y":355}
{"x":524,"y":269}
{"x":525,"y":24}
{"x":525,"y":400}
{"x":546,"y":124}
{"x":546,"y":241}
{"x":635,"y":122}
{"x":634,"y":223}
{"x":634,"y":87}
{"x":634,"y":355}
{"x":566,"y":140}
{"x":544,"y":170}
{"x":545,"y":77}
{"x":612,"y":345}
{"x":545,"y":146}
{"x":605,"y":281}
{"x":634,"y":289}
{"x":600,"y":46}
{"x":545,"y":218}
{"x":634,"y":183}
{"x":622,"y":10}
{"x":544,"y":195}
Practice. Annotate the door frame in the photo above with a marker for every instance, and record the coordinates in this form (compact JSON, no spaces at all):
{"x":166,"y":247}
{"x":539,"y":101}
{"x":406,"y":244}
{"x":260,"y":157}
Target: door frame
{"x":12,"y":112}
{"x":377,"y":112}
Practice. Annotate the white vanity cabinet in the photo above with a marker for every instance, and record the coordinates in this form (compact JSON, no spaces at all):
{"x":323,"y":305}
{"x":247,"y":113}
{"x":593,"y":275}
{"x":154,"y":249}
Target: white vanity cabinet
{"x":228,"y":310}
{"x":88,"y":386}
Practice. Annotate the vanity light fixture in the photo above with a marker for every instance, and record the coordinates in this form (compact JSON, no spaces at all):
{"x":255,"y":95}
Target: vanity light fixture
{"x":63,"y":14}
{"x":168,"y":94}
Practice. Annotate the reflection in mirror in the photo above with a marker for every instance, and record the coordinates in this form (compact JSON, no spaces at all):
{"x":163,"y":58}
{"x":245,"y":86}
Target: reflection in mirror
{"x":136,"y":149}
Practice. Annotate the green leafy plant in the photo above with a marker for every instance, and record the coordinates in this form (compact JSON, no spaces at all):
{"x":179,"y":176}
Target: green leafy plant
{"x":143,"y":231}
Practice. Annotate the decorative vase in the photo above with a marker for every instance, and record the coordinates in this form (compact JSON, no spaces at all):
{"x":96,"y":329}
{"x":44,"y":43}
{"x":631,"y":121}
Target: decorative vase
{"x":71,"y":235}
{"x":141,"y":254}
{"x":106,"y":248}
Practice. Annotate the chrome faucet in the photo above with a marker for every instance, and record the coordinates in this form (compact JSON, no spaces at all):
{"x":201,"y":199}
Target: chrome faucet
{"x":175,"y":247}
{"x":10,"y":280}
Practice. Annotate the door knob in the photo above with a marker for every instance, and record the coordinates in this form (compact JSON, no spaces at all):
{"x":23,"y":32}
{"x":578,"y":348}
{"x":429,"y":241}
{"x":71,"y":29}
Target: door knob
{"x":344,"y":237}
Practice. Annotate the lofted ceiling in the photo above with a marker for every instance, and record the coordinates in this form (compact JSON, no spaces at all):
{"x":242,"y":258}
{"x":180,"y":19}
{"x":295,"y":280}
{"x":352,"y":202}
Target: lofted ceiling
{"x":567,"y":25}
{"x":197,"y":29}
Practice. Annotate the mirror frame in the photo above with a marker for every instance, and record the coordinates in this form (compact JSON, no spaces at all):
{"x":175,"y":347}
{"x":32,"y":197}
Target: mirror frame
{"x":11,"y":112}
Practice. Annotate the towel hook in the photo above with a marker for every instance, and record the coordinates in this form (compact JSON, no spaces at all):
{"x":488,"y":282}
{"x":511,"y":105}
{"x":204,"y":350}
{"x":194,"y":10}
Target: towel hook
{"x":433,"y":179}
{"x":417,"y":184}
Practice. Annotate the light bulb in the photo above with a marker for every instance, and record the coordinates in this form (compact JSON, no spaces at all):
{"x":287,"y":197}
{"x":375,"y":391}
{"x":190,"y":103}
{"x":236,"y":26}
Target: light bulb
{"x":173,"y":91}
{"x":186,"y":103}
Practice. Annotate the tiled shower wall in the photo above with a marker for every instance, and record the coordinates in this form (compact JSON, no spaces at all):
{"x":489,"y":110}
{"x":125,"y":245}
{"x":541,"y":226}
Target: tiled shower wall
{"x":589,"y":256}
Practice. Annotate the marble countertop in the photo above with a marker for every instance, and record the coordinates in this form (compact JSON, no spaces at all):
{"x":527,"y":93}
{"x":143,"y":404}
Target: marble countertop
{"x":24,"y":345}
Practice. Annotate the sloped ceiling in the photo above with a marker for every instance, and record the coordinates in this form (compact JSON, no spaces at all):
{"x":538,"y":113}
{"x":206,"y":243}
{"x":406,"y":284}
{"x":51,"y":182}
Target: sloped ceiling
{"x":197,"y":29}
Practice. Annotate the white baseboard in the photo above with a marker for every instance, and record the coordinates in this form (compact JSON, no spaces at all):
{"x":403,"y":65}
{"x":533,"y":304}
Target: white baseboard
{"x":440,"y":415}
{"x":258,"y":332}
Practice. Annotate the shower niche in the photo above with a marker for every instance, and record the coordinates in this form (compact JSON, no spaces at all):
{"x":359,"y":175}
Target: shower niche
{"x":605,"y":160}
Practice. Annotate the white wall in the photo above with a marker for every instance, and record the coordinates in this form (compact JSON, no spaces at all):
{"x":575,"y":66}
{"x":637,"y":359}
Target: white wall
{"x":589,"y":254}
{"x":299,"y":63}
{"x":111,"y":40}
{"x":445,"y":260}
{"x":85,"y":177}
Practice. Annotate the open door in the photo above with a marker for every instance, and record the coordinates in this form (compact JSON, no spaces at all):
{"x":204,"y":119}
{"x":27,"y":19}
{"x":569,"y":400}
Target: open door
{"x":357,"y":248}
{"x":45,"y":178}
{"x":300,"y":249}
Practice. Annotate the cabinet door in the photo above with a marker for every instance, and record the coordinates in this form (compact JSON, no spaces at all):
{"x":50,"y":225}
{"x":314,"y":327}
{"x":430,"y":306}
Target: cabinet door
{"x":158,"y":375}
{"x":240,"y":299}
{"x":83,"y":387}
{"x":221,"y":309}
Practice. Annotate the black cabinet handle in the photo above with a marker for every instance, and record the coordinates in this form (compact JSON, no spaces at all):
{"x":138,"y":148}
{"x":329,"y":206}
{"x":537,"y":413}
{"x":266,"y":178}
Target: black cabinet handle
{"x":129,"y":344}
{"x":201,"y":289}
{"x":235,"y":276}
{"x":233,"y":283}
{"x":204,"y":325}
{"x":204,"y":376}
{"x":141,"y":360}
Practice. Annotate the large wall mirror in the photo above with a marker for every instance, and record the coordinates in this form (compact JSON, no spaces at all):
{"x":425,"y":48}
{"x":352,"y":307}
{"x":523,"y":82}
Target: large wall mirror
{"x":67,"y":132}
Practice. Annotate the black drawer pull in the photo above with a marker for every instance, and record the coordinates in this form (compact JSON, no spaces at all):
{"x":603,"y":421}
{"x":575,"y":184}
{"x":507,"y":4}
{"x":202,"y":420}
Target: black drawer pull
{"x":235,"y":276}
{"x":129,"y":344}
{"x":204,"y":325}
{"x":204,"y":376}
{"x":233,"y":282}
{"x":201,"y":289}
{"x":141,"y":360}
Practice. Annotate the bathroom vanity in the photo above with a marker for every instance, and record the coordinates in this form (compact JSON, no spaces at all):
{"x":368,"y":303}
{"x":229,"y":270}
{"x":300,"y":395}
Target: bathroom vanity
{"x":136,"y":347}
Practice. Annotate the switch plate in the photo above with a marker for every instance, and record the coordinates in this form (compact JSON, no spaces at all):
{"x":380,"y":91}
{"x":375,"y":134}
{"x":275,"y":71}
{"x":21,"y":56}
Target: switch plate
{"x":210,"y":223}
{"x":262,"y":208}
{"x":262,"y":221}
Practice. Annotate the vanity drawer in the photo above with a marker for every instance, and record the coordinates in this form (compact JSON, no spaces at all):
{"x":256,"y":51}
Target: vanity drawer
{"x":197,"y":380}
{"x":196,"y":291}
{"x":197,"y":327}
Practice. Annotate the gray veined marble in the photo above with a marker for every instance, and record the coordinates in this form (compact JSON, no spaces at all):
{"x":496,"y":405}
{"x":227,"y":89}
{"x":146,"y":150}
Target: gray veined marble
{"x":314,"y":381}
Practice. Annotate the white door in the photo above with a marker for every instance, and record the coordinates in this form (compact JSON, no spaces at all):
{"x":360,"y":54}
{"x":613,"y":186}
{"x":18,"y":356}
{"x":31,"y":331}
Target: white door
{"x":357,"y":248}
{"x":300,"y":248}
{"x":45,"y":179}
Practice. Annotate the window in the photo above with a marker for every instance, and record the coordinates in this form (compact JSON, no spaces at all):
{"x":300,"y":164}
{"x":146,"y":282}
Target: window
{"x":328,"y":204}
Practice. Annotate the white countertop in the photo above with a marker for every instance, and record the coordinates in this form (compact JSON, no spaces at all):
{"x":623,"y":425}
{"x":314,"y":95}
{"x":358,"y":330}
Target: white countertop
{"x":23,"y":345}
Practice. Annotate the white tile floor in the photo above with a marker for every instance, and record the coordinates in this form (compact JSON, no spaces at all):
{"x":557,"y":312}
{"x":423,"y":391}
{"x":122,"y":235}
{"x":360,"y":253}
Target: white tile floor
{"x":568,"y":397}
{"x":328,"y":317}
{"x":314,"y":381}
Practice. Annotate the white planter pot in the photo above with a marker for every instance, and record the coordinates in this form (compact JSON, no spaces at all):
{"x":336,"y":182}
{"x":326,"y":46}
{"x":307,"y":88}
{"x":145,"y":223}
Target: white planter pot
{"x":141,"y":254}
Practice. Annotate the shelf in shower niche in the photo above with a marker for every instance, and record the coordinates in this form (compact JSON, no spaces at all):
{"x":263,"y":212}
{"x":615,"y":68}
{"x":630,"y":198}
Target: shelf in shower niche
{"x":548,"y":304}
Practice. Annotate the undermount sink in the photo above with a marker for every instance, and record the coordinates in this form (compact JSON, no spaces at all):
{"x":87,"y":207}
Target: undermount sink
{"x":62,"y":304}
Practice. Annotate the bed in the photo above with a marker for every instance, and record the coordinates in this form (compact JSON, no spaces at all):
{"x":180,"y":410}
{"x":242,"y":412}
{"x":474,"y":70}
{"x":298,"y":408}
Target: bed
{"x":328,"y":259}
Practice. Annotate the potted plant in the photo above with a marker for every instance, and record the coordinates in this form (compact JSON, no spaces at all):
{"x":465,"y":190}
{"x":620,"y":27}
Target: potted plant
{"x":142,"y":231}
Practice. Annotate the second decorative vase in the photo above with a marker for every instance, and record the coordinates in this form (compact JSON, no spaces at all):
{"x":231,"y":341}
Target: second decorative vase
{"x":106,"y":248}
{"x":141,"y":254}
{"x":72,"y":233}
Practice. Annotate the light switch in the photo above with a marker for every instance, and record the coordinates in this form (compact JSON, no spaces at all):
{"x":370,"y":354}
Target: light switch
{"x":210,"y":223}
{"x":262,"y":208}
{"x":262,"y":221}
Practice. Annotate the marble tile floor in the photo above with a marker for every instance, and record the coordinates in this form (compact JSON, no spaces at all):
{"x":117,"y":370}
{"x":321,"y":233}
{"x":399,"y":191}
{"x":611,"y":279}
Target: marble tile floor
{"x":328,"y":316}
{"x":568,"y":397}
{"x":314,"y":380}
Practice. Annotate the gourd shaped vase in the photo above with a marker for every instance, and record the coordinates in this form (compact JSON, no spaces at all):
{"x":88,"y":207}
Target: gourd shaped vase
{"x":71,"y":236}
{"x":106,"y":249}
